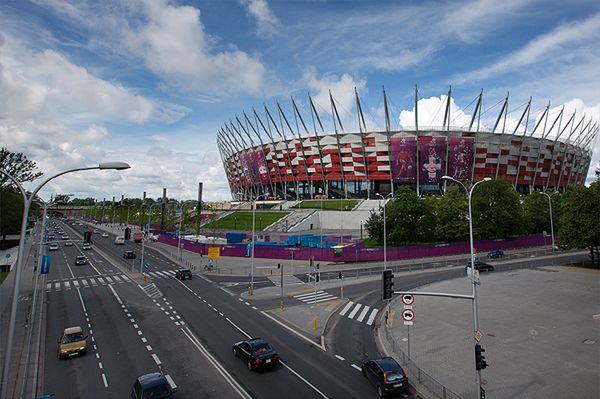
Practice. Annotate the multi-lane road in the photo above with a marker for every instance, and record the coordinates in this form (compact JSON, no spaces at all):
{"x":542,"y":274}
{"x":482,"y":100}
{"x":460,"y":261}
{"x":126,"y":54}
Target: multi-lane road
{"x":184,"y":329}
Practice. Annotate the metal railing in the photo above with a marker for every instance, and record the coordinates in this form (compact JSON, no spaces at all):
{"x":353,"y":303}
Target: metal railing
{"x":424,"y":383}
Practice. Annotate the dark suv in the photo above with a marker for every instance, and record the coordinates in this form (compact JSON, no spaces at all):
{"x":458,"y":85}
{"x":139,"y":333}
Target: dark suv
{"x":481,"y":266}
{"x":496,"y":254}
{"x":153,"y":385}
{"x":183,"y":274}
{"x":387,"y":376}
{"x":129,"y":255}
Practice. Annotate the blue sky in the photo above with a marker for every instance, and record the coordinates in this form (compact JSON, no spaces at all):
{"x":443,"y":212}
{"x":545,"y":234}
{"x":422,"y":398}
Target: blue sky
{"x":151,"y":82}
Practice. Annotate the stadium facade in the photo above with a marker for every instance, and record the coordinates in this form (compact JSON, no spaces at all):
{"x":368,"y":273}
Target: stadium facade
{"x":276,"y":155}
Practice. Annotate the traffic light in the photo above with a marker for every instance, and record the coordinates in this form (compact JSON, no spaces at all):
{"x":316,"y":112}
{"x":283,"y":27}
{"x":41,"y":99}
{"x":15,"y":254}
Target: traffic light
{"x":388,"y":284}
{"x":482,"y":393}
{"x":480,"y":362}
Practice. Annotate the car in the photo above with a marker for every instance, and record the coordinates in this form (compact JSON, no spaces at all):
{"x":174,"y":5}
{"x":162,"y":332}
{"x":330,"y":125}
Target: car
{"x":152,"y":385}
{"x":386,"y":375}
{"x":69,"y":244}
{"x":65,"y":237}
{"x":80,"y":260}
{"x":86,"y":246}
{"x":72,"y":342}
{"x":256,"y":353}
{"x":119,"y":240}
{"x":53,"y":247}
{"x":496,"y":254}
{"x":95,"y":231}
{"x":481,"y":266}
{"x":129,"y":255}
{"x":183,"y":274}
{"x":105,"y":234}
{"x":138,"y":236}
{"x":51,"y":236}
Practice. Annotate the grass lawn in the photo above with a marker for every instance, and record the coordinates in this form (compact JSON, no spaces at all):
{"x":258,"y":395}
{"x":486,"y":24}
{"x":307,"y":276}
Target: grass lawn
{"x":242,"y":220}
{"x":329,"y":205}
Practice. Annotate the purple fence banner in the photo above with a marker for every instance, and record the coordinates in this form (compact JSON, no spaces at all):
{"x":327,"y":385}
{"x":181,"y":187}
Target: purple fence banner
{"x":404,"y":159}
{"x":460,"y":159}
{"x":432,"y":154}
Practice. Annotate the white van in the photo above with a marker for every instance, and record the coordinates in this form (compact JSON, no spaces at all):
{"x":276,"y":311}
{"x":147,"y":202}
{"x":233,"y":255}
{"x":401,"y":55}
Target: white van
{"x":119,"y":240}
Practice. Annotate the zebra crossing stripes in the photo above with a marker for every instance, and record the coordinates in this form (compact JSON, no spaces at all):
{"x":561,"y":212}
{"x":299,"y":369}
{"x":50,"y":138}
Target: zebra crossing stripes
{"x":151,"y":290}
{"x":356,"y":308}
{"x":85,"y":282}
{"x":161,"y":273}
{"x":321,"y":296}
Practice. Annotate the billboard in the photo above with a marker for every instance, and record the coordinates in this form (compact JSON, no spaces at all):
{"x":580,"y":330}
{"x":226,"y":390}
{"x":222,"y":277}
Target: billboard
{"x":261,"y":175}
{"x":245,"y":163}
{"x":403,"y":159}
{"x":460,"y":158}
{"x":432,"y":154}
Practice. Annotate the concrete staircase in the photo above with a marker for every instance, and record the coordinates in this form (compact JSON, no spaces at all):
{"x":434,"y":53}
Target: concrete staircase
{"x":292,"y":219}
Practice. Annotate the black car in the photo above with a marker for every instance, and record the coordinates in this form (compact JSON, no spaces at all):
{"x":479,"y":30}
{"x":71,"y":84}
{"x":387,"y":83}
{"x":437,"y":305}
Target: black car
{"x":183,"y":274}
{"x":80,"y":260}
{"x":257,"y":353}
{"x":129,"y":255}
{"x":387,"y":376}
{"x":153,"y":385}
{"x":481,"y":266}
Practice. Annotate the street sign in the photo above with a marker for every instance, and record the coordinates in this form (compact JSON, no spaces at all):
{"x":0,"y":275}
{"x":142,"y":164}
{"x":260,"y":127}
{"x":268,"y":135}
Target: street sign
{"x":408,"y":300}
{"x":146,"y":265}
{"x":478,"y":336}
{"x":46,"y":261}
{"x":408,"y":315}
{"x":214,"y":253}
{"x":7,"y":255}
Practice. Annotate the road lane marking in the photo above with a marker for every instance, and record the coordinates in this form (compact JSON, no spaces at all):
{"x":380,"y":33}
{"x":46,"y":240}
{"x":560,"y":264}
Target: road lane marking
{"x":156,"y":359}
{"x":354,"y":311}
{"x":346,"y":308}
{"x":291,"y":330}
{"x":362,"y":314}
{"x":372,"y":316}
{"x":339,"y":357}
{"x":356,"y":367}
{"x":105,"y":382}
{"x":171,"y":382}
{"x":115,"y":294}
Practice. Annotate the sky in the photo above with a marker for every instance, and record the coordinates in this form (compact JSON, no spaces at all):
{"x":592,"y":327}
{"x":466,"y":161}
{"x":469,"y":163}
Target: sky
{"x":151,"y":82}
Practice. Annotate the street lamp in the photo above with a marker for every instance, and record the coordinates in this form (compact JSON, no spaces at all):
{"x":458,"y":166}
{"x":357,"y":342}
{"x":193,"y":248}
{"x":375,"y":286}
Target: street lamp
{"x":144,"y":240}
{"x":551,"y":224}
{"x":474,"y":285}
{"x":384,"y":230}
{"x":27,"y":201}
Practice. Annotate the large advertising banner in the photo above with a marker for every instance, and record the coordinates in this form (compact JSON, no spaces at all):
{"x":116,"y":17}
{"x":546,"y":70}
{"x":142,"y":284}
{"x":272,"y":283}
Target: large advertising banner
{"x":261,"y":164}
{"x":460,"y":158}
{"x":432,"y":151}
{"x":244,"y":161}
{"x":403,"y":158}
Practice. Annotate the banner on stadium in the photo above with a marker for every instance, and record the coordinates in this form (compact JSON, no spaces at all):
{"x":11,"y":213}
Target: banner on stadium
{"x":261,"y":165}
{"x":432,"y":154}
{"x":460,"y":158}
{"x":403,"y":159}
{"x":245,"y":163}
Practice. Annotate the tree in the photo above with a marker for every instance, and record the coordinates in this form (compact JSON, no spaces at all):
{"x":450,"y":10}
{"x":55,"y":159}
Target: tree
{"x":580,"y":220}
{"x":18,"y":166}
{"x":404,"y":215}
{"x":374,"y":226}
{"x":496,"y":210}
{"x":452,"y":216}
{"x":536,"y":212}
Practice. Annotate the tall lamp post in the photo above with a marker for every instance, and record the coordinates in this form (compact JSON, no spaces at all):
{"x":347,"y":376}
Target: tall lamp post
{"x":551,"y":223}
{"x":384,"y":229}
{"x":474,"y":285}
{"x":27,"y":201}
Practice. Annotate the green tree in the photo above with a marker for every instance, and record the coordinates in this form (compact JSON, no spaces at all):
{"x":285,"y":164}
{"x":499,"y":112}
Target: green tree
{"x":403,"y":218}
{"x":18,"y":166}
{"x":496,"y":210}
{"x":374,"y":226}
{"x":452,"y":216}
{"x":536,"y":212}
{"x":580,"y":220}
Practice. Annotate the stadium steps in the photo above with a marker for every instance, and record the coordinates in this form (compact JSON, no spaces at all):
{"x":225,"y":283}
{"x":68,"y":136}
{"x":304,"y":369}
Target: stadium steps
{"x":287,"y":222}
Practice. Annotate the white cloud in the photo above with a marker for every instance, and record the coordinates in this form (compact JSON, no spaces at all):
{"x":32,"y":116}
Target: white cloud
{"x":268,"y":24}
{"x":431,"y":114}
{"x":172,"y":43}
{"x":47,"y":85}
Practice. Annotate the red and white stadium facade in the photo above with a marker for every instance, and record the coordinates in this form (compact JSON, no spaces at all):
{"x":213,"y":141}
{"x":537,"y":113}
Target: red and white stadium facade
{"x":286,"y":160}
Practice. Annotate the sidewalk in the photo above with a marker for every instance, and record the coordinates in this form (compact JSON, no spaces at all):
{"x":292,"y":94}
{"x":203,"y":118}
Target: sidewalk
{"x":23,"y":378}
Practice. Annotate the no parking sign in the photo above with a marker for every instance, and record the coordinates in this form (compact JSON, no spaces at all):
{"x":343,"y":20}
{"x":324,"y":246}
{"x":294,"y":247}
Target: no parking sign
{"x":408,"y":315}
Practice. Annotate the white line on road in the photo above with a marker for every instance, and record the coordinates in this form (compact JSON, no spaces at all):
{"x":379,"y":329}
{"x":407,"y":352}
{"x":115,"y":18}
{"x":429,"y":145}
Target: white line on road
{"x":105,"y":382}
{"x":171,"y":382}
{"x":372,"y":316}
{"x":156,"y":359}
{"x":356,"y":367}
{"x":354,"y":311}
{"x":115,"y":294}
{"x":291,"y":330}
{"x":362,"y":314}
{"x":339,"y":357}
{"x":346,"y":308}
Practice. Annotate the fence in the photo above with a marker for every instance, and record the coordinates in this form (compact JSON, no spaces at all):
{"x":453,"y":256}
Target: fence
{"x":417,"y":377}
{"x":356,"y":252}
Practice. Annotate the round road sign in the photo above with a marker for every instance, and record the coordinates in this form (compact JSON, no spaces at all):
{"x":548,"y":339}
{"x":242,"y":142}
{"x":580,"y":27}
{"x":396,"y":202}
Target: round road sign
{"x":408,"y":315}
{"x":408,"y":299}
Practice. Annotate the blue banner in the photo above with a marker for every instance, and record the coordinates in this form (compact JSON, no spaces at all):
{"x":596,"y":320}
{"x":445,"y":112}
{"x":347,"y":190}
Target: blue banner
{"x":46,"y":261}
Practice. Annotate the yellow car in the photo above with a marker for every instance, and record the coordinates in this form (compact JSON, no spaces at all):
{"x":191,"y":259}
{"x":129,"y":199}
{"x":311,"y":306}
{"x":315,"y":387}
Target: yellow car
{"x":72,"y":342}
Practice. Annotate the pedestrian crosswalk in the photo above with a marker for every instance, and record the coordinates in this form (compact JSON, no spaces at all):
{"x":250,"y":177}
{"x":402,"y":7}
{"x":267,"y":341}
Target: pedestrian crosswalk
{"x":85,"y":282}
{"x":160,"y":273}
{"x":312,"y":297}
{"x":152,"y":291}
{"x":363,"y":313}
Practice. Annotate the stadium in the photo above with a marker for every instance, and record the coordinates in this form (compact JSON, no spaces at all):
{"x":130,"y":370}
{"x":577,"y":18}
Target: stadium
{"x":288,"y":155}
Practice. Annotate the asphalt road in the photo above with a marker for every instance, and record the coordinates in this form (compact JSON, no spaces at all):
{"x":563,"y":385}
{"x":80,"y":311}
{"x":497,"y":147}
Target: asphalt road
{"x":190,"y":326}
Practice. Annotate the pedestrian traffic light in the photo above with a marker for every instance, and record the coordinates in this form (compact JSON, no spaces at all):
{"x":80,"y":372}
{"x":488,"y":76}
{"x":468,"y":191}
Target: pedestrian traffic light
{"x":388,"y":284}
{"x":340,"y":275}
{"x":482,"y":393}
{"x":480,"y":362}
